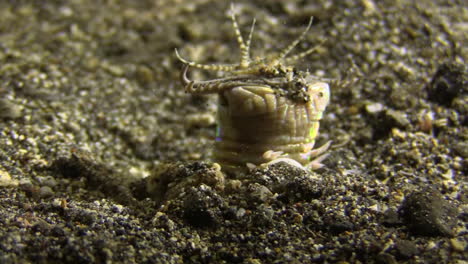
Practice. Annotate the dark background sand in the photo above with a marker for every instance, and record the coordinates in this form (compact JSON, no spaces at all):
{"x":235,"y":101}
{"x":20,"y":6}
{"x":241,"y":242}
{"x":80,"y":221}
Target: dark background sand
{"x":90,"y":103}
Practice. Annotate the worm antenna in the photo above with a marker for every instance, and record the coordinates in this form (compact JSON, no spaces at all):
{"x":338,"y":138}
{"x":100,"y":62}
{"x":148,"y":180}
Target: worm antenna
{"x":240,"y":40}
{"x":304,"y":53}
{"x":209,"y":67}
{"x":183,"y":75}
{"x":288,"y":49}
{"x":245,"y":59}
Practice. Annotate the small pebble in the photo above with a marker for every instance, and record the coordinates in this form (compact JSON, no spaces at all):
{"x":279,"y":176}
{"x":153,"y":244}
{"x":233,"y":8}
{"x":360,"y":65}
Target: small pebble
{"x":9,"y":110}
{"x":45,"y":192}
{"x":144,"y":74}
{"x":398,"y":118}
{"x":405,"y":249}
{"x":6,"y":180}
{"x":259,"y":192}
{"x":374,"y":108}
{"x":458,"y":245}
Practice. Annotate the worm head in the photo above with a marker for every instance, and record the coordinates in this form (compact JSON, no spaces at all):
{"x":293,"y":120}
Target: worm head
{"x":319,"y":94}
{"x":272,"y":66}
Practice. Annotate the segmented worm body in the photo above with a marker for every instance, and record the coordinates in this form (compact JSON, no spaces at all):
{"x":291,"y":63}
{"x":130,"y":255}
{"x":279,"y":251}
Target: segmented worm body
{"x":267,"y":112}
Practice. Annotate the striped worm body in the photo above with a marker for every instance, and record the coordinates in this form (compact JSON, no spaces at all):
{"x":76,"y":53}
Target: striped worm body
{"x":267,"y":112}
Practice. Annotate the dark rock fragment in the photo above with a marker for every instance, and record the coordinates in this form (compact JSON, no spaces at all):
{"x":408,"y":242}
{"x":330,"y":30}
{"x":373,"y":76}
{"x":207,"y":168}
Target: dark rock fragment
{"x":302,"y":188}
{"x":405,"y":249}
{"x":449,"y":82}
{"x":386,"y":258}
{"x":340,"y":226}
{"x":263,"y":217}
{"x":202,"y":207}
{"x":427,"y":213}
{"x":383,"y":119}
{"x":79,"y":164}
{"x":390,"y":218}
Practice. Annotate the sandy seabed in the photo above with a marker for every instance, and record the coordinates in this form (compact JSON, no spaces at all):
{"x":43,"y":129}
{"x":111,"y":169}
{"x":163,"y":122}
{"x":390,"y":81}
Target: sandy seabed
{"x":105,"y":159}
